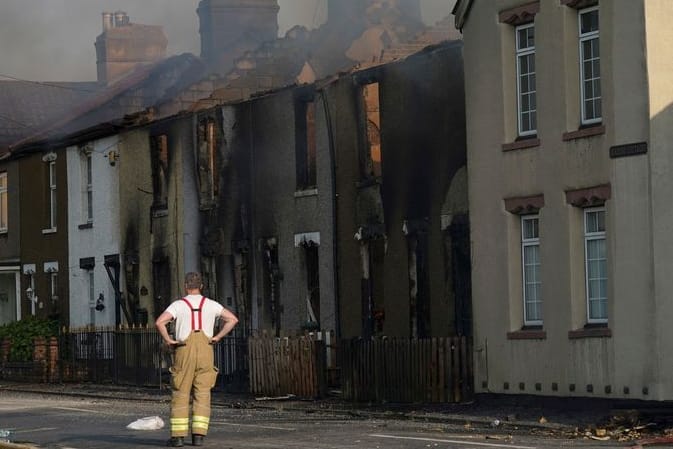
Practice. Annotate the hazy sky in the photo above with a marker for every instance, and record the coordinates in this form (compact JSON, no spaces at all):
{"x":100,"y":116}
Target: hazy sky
{"x":53,"y":40}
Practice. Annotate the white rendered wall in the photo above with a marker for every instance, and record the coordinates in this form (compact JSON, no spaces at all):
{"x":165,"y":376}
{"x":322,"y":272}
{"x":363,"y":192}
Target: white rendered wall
{"x":99,"y":239}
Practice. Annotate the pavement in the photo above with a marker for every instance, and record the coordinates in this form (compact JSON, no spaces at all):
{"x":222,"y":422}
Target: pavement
{"x":502,"y":413}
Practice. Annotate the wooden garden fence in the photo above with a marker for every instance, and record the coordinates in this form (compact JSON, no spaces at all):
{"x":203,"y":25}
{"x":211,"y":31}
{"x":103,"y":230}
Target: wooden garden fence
{"x":407,"y":370}
{"x":288,"y":365}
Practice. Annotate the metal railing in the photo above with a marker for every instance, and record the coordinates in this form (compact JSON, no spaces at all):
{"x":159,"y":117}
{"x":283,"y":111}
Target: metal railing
{"x":138,"y":356}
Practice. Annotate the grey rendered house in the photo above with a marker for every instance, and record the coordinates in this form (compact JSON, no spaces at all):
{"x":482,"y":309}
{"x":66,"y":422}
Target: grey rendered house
{"x":569,"y":156}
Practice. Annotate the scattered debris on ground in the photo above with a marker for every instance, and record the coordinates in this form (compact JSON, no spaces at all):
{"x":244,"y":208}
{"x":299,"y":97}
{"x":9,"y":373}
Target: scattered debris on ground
{"x":286,"y":397}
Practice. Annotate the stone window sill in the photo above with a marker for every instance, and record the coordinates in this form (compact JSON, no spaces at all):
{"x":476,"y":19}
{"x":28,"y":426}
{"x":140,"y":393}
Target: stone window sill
{"x":305,"y":193}
{"x":521,"y":144}
{"x":590,"y":332}
{"x":584,"y":132}
{"x":159,"y":212}
{"x":527,"y":334}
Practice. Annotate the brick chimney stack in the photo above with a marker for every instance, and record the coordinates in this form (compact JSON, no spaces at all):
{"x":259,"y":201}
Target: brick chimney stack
{"x":123,"y":45}
{"x":229,"y":28}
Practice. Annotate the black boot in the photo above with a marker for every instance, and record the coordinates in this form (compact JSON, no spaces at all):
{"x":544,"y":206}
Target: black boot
{"x":176,"y":442}
{"x":197,"y":440}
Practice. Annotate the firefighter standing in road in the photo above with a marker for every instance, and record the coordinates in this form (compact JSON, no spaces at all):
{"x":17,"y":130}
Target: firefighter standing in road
{"x":194,"y":366}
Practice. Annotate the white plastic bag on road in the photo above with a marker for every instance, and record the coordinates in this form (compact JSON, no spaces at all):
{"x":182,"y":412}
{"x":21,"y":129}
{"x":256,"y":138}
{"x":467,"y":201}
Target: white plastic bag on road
{"x":149,"y":423}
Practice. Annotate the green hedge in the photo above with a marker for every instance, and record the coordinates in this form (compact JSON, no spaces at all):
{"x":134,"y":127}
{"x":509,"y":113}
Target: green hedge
{"x":23,"y":333}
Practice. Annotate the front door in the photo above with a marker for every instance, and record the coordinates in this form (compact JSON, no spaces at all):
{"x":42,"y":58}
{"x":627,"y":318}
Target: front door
{"x":10,"y":306}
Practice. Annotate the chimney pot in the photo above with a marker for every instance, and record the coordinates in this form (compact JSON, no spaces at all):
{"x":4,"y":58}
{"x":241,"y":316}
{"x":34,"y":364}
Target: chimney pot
{"x":121,"y":19}
{"x":108,"y":21}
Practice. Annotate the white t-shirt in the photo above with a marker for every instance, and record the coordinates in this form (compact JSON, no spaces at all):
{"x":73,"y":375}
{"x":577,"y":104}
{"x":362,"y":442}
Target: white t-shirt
{"x":183,"y":316}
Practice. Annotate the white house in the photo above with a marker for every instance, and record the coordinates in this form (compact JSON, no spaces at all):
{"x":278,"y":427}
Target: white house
{"x":93,"y":231}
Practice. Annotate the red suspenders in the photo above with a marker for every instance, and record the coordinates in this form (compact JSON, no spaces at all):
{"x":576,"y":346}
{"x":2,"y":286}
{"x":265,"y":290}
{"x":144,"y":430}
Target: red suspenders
{"x":203,"y":300}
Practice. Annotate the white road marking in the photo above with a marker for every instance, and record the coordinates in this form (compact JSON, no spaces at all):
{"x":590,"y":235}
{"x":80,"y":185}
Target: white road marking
{"x":41,"y":429}
{"x":290,"y":429}
{"x":436,"y":440}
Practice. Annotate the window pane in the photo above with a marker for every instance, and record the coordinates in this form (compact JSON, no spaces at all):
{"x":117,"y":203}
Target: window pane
{"x":531,"y":37}
{"x":521,"y":38}
{"x":600,"y":249}
{"x":524,"y":84}
{"x":592,"y":221}
{"x":531,"y":255}
{"x":534,"y":311}
{"x":3,"y":210}
{"x":526,"y":37}
{"x":589,"y":110}
{"x":598,"y":309}
{"x":600,"y":220}
{"x":524,"y":64}
{"x":589,"y":21}
{"x":525,"y":106}
{"x":586,"y":51}
{"x":594,"y":290}
{"x":530,"y":228}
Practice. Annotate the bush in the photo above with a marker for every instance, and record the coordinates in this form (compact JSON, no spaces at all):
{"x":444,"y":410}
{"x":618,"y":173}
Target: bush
{"x":22,"y":333}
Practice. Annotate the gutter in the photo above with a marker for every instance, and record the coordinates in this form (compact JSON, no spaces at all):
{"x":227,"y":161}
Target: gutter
{"x":86,"y":135}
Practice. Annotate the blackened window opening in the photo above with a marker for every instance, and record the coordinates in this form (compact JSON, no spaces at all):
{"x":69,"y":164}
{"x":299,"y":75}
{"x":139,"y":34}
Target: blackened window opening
{"x":306,"y":147}
{"x":159,"y":149}
{"x":313,"y":283}
{"x":372,"y":156}
{"x":271,"y":286}
{"x":161,"y":282}
{"x":372,"y":287}
{"x":208,"y":161}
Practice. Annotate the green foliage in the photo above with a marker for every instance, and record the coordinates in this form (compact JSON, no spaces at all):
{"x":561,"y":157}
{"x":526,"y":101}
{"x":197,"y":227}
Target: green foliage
{"x":22,"y":333}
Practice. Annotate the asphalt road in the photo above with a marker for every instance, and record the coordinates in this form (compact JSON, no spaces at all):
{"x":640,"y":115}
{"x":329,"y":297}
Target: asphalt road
{"x":83,"y":423}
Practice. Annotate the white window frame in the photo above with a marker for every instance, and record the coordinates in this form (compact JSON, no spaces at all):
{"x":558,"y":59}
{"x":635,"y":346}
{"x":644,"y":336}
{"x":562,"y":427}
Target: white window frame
{"x":528,"y":242}
{"x":4,"y":203}
{"x":588,"y":237}
{"x":87,"y":187}
{"x":53,"y":285}
{"x":586,"y":37}
{"x":52,"y":195}
{"x":525,"y":52}
{"x":91,"y":287}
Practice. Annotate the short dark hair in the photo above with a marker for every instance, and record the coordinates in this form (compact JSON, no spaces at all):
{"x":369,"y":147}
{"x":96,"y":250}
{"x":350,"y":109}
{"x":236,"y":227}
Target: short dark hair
{"x":193,"y":280}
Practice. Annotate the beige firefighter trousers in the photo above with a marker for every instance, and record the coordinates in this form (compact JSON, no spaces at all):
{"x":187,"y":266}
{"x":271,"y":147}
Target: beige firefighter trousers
{"x":193,"y":369}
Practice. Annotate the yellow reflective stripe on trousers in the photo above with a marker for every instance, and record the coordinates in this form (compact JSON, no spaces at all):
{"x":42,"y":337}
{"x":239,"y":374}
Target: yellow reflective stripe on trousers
{"x":200,"y":422}
{"x":179,"y":424}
